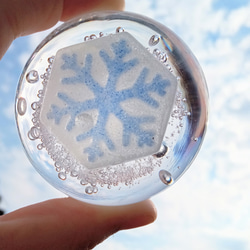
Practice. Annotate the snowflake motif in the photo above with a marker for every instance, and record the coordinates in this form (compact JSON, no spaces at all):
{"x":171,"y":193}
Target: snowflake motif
{"x":107,"y":100}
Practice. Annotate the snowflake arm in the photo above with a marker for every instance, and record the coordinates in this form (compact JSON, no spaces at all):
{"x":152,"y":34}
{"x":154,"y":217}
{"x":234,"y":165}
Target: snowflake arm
{"x":141,"y":90}
{"x":116,"y":66}
{"x":99,"y":134}
{"x":132,"y":125}
{"x":73,"y":109}
{"x":70,"y":63}
{"x":82,"y":74}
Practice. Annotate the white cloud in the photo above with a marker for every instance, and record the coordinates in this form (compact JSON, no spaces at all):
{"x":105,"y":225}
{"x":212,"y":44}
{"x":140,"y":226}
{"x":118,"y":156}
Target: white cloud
{"x":4,"y":88}
{"x":9,"y":111}
{"x":235,"y":20}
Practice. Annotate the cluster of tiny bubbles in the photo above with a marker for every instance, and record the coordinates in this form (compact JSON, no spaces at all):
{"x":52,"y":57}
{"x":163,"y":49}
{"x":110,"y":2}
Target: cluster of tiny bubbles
{"x":101,"y":34}
{"x":162,"y":57}
{"x":35,"y":131}
{"x":166,"y":177}
{"x":46,"y":75}
{"x":177,"y":120}
{"x":180,"y":109}
{"x":21,"y":106}
{"x":125,"y":173}
{"x":32,"y":76}
{"x":154,"y":40}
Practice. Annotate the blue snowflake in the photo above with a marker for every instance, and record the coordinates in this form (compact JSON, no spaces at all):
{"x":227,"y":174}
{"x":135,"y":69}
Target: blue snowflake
{"x":107,"y":100}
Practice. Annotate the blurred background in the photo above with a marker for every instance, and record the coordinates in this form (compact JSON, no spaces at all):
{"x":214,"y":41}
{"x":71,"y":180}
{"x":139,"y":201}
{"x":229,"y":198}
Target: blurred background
{"x":209,"y":207}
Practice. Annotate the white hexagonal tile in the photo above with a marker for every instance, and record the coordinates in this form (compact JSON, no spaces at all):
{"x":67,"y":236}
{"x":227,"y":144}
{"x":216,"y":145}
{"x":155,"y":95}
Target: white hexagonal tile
{"x":108,"y":100}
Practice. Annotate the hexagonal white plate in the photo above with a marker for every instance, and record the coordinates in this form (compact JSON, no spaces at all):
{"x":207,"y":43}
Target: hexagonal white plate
{"x":108,"y":100}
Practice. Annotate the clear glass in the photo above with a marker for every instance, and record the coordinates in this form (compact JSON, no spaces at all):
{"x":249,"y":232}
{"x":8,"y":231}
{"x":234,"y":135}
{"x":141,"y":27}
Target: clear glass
{"x":130,"y":181}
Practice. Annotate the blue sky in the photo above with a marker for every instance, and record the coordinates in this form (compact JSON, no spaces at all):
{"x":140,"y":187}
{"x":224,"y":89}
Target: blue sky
{"x":208,"y":208}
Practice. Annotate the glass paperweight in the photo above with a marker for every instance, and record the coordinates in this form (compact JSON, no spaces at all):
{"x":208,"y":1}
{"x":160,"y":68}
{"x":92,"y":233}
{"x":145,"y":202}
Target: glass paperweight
{"x":111,"y":108}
